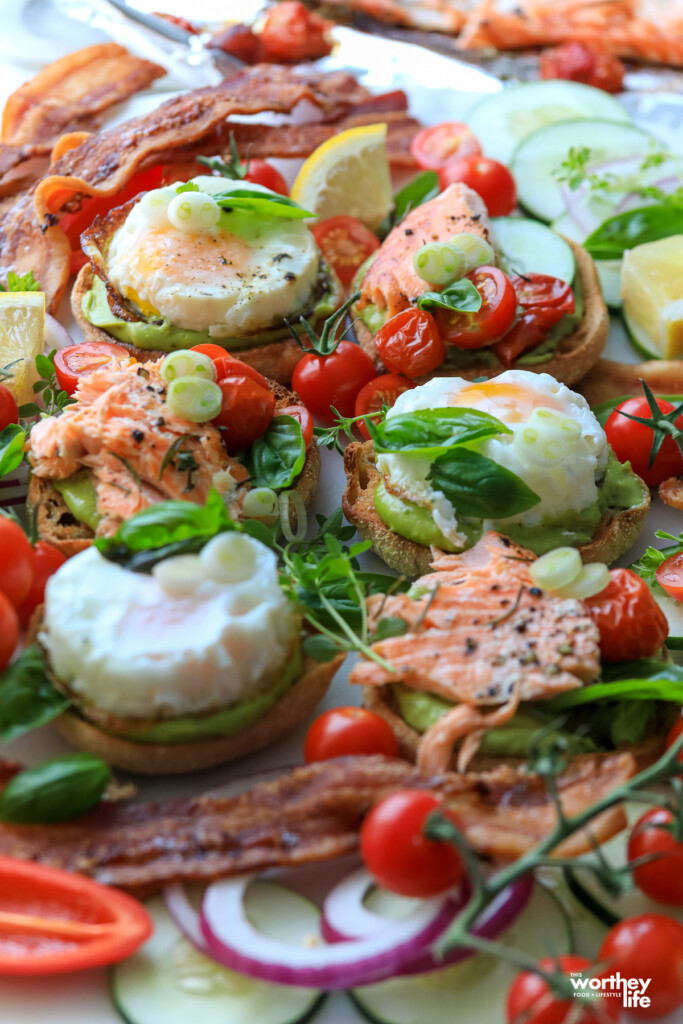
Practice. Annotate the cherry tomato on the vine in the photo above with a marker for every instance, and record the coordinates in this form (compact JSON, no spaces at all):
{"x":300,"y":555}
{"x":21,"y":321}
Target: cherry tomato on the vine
{"x":493,"y":182}
{"x":433,"y":147}
{"x":346,"y":243}
{"x":46,"y":560}
{"x":304,"y":418}
{"x":410,"y":343}
{"x":9,"y":630}
{"x":632,"y":442}
{"x":492,"y":319}
{"x":78,"y":361}
{"x":16,"y":561}
{"x":380,"y":392}
{"x":349,"y":730}
{"x":662,"y":878}
{"x":260,"y":172}
{"x":631,"y":623}
{"x":9,"y":411}
{"x":324,"y":382}
{"x":650,"y":947}
{"x":531,"y":1001}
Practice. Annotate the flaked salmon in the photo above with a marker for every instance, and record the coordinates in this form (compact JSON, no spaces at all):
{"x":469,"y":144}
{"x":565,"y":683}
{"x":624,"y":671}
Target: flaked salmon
{"x":391,"y":282}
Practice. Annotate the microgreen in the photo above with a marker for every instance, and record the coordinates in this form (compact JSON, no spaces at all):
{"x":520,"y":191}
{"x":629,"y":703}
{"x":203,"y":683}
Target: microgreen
{"x":21,"y":283}
{"x":329,"y":339}
{"x":234,"y":168}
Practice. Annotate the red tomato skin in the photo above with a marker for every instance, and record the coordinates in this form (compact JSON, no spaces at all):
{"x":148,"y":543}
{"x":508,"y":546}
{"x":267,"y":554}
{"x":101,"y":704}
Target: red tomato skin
{"x":346,"y":243}
{"x":246,"y":412}
{"x":631,"y":442}
{"x":334,"y":380}
{"x":493,"y":319}
{"x":661,"y":879}
{"x":262,"y":173}
{"x":399,"y":856}
{"x":631,"y":623}
{"x":46,"y":561}
{"x":212,"y":351}
{"x":378,"y":392}
{"x":434,"y":147}
{"x":530,"y":1001}
{"x":9,"y":631}
{"x":524,"y":335}
{"x":648,"y":946}
{"x":9,"y":410}
{"x":304,"y":419}
{"x":674,"y":733}
{"x":549,"y":298}
{"x":240,"y":41}
{"x":669,"y":575}
{"x":16,"y":561}
{"x":229,"y":367}
{"x":97,"y":355}
{"x":410,"y":344}
{"x":346,"y":731}
{"x":492,"y":180}
{"x":292,"y":33}
{"x":577,"y":62}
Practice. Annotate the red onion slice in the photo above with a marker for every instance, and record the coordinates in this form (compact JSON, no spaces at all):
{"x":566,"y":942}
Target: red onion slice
{"x":56,"y":336}
{"x":184,"y":916}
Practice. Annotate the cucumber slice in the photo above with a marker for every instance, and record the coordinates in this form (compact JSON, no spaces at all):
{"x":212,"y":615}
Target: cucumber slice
{"x":609,"y":272}
{"x":536,"y":158}
{"x":640,"y":339}
{"x":502,"y":120}
{"x":567,"y":226}
{"x":478,"y":986}
{"x":530,"y":247}
{"x":170,"y":982}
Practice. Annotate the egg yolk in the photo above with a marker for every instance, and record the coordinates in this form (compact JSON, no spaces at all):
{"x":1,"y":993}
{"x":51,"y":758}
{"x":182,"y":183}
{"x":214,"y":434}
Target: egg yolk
{"x":510,"y":402}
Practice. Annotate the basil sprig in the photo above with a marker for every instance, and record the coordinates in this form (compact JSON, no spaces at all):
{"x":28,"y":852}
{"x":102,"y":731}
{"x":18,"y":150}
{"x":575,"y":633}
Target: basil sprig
{"x":635,"y":227}
{"x":261,"y":204}
{"x":12,"y":440}
{"x":279,"y":455}
{"x":419,"y":190}
{"x":461,"y":296}
{"x":27,"y":697}
{"x":53,"y":791}
{"x":432,"y":431}
{"x":479,"y":487}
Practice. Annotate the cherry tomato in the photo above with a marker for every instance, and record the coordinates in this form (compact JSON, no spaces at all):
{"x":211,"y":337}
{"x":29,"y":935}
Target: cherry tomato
{"x":16,"y":561}
{"x":304,"y":418}
{"x":9,"y":631}
{"x":631,"y":623}
{"x":578,"y":62}
{"x":226,"y":366}
{"x":662,"y":878}
{"x":433,"y":148}
{"x":670,"y":576}
{"x":46,"y":561}
{"x":246,"y":412}
{"x":9,"y":411}
{"x":650,"y":947}
{"x":262,"y":173}
{"x":212,"y":351}
{"x":491,"y":321}
{"x":346,"y":731}
{"x":331,"y":381}
{"x":525,"y":334}
{"x":548,"y":298}
{"x":530,"y":1000}
{"x":410,"y":343}
{"x":376,"y":394}
{"x":240,"y":41}
{"x":78,"y":361}
{"x":345,"y":243}
{"x":397,"y":853}
{"x":632,"y":442}
{"x":70,"y":922}
{"x":491,"y":180}
{"x":292,"y":33}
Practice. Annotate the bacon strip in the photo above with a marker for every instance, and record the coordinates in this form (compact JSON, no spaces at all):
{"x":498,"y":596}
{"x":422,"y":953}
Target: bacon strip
{"x":311,"y":814}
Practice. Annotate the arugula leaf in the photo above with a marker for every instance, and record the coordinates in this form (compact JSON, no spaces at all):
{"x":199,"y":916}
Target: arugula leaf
{"x":279,"y":455}
{"x":626,"y":230}
{"x":27,"y":697}
{"x":432,"y":431}
{"x":52,"y":791}
{"x":23,"y":283}
{"x":12,"y":440}
{"x":262,"y":204}
{"x":479,"y":487}
{"x":461,"y":296}
{"x":419,"y":190}
{"x":652,"y":558}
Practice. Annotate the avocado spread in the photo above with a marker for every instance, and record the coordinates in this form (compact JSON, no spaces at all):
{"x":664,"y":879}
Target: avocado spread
{"x":80,"y":497}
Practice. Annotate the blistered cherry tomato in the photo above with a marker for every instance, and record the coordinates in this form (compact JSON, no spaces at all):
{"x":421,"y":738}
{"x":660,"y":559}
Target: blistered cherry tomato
{"x":78,"y":361}
{"x":345,"y":731}
{"x":46,"y":560}
{"x":491,"y":180}
{"x":433,"y":148}
{"x":651,"y":947}
{"x":631,"y":623}
{"x":346,"y":243}
{"x":531,"y":1001}
{"x":212,"y":351}
{"x":492,"y":319}
{"x":9,"y":411}
{"x":326,"y":382}
{"x":549,"y":298}
{"x":378,"y":393}
{"x":301,"y":414}
{"x":632,"y":442}
{"x":577,"y":62}
{"x":246,"y":412}
{"x":410,"y":343}
{"x":226,"y":366}
{"x":526,"y":333}
{"x":16,"y":561}
{"x":9,"y":631}
{"x":661,"y":878}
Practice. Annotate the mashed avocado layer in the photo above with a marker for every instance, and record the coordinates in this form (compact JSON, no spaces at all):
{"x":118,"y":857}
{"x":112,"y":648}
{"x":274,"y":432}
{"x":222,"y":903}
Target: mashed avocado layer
{"x":80,"y":497}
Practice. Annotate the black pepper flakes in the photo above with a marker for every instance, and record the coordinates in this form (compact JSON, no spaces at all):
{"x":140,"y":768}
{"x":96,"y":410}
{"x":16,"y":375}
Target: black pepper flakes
{"x":138,"y":435}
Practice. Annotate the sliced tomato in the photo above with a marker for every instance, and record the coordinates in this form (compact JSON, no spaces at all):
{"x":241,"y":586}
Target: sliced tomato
{"x":9,"y":630}
{"x":378,"y":393}
{"x":493,"y":182}
{"x":304,"y":418}
{"x":54,"y":921}
{"x":247,"y":409}
{"x":292,"y":33}
{"x":432,"y":148}
{"x":410,"y":343}
{"x":491,"y":321}
{"x":46,"y":560}
{"x":345,"y":243}
{"x":548,"y":298}
{"x":526,"y":333}
{"x":670,"y":576}
{"x":631,"y":623}
{"x":9,"y":411}
{"x":78,"y":361}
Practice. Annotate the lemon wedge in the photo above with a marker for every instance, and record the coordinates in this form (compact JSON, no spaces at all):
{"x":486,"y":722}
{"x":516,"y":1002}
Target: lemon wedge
{"x":348,"y":174}
{"x":22,"y":335}
{"x":652,"y":290}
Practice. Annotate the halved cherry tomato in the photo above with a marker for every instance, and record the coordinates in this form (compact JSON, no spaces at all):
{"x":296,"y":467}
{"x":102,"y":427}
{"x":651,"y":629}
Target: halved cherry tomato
{"x":262,"y":173}
{"x":380,"y":392}
{"x":78,"y":361}
{"x":54,"y":921}
{"x":9,"y":411}
{"x":661,"y":878}
{"x":632,"y":442}
{"x":410,"y":343}
{"x":548,"y":298}
{"x":631,"y":623}
{"x":330,"y":381}
{"x":345,"y":243}
{"x":530,"y":1000}
{"x":9,"y":631}
{"x":433,"y":148}
{"x":491,"y":180}
{"x":651,"y":947}
{"x":304,"y":418}
{"x":226,"y":366}
{"x":46,"y":561}
{"x":345,"y":731}
{"x":16,"y":561}
{"x":212,"y":351}
{"x":526,"y":333}
{"x":292,"y":33}
{"x":578,"y":62}
{"x":670,"y":576}
{"x":398,"y":854}
{"x":491,"y":321}
{"x":246,"y":412}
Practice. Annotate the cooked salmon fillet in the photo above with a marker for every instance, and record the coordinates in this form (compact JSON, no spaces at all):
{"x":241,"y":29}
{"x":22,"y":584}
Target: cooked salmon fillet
{"x":391,"y":282}
{"x":121,"y":430}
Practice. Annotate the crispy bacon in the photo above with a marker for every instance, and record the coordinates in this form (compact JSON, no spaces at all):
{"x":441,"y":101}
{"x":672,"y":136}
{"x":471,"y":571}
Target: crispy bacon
{"x":310,"y":814}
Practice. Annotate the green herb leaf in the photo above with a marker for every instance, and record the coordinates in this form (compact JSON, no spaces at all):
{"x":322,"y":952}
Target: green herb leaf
{"x":21,"y":283}
{"x":321,"y":648}
{"x":421,"y":189}
{"x":477,"y":486}
{"x":235,"y":168}
{"x":262,"y":204}
{"x":666,"y":683}
{"x":635,"y":227}
{"x":279,"y":455}
{"x":187,"y":186}
{"x":12,"y":440}
{"x":461,"y":296}
{"x":432,"y":431}
{"x":388,"y":627}
{"x":53,"y":791}
{"x":27,"y":697}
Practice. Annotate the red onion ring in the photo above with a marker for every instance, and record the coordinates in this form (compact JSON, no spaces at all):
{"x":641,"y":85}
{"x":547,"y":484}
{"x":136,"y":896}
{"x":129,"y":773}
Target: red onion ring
{"x":56,"y":336}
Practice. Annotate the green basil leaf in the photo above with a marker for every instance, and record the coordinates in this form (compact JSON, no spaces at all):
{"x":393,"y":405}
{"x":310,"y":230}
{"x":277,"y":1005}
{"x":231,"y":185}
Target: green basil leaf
{"x":27,"y":697}
{"x":279,"y":455}
{"x":12,"y":440}
{"x":53,"y":791}
{"x":626,"y":230}
{"x":419,"y":190}
{"x":647,"y":680}
{"x":320,"y":647}
{"x":388,"y":627}
{"x":461,"y":296}
{"x":479,"y":487}
{"x":261,"y":204}
{"x":430,"y":431}
{"x":169,"y":522}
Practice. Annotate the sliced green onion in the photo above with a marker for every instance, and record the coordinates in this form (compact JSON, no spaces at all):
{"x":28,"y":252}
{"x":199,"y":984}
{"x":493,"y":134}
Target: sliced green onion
{"x":592,"y":580}
{"x":259,"y":503}
{"x":194,"y":211}
{"x":194,"y":399}
{"x":180,"y":575}
{"x":556,"y":568}
{"x":156,"y":204}
{"x":474,"y":251}
{"x":438,"y":263}
{"x":185,"y":363}
{"x":293,"y":537}
{"x":230,"y":557}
